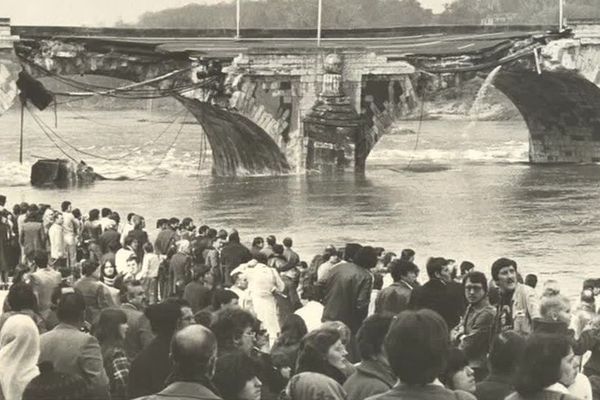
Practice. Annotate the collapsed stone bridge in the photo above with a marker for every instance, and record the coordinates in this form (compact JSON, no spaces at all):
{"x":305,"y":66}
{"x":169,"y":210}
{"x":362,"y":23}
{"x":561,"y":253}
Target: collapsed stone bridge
{"x":272,"y":104}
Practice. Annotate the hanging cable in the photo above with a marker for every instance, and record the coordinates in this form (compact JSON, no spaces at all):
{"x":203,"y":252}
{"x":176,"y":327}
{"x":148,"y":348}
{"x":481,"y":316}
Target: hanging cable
{"x":59,"y":137}
{"x":171,"y":146}
{"x":81,"y":116}
{"x":50,"y":138}
{"x":22,"y":131}
{"x":127,"y":91}
{"x":150,"y":94}
{"x":55,"y":114}
{"x":107,"y":90}
{"x":412,"y":156}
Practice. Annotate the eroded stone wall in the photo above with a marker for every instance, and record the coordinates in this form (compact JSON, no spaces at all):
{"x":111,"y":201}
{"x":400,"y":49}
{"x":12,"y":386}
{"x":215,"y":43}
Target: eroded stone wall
{"x":9,"y":67}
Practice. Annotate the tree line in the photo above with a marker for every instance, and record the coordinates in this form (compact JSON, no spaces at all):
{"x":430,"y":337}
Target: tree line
{"x":340,"y":14}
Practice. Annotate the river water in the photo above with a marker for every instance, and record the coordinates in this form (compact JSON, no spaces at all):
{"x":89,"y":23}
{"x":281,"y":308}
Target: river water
{"x":464,"y":191}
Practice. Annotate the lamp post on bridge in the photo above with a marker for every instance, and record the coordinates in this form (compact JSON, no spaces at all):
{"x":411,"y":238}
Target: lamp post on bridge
{"x":237,"y":19}
{"x":560,"y":15}
{"x":319,"y":17}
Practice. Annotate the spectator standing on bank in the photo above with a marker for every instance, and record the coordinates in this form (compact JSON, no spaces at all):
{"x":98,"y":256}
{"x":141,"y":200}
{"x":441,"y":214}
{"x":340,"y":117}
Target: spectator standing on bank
{"x":72,"y":351}
{"x":518,"y":304}
{"x":374,"y":374}
{"x":436,"y":294}
{"x":477,"y":323}
{"x":503,"y":359}
{"x":139,"y":332}
{"x":395,"y":298}
{"x":110,"y":332}
{"x":70,"y":232}
{"x":44,"y":281}
{"x":19,"y":353}
{"x":348,"y":290}
{"x":194,"y":352}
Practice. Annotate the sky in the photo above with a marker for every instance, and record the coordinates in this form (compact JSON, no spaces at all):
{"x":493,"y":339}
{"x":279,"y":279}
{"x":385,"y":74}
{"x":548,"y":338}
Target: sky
{"x":103,"y":12}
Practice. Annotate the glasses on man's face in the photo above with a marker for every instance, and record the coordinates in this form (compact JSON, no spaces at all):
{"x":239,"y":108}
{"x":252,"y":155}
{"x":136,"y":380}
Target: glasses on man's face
{"x":251,"y":334}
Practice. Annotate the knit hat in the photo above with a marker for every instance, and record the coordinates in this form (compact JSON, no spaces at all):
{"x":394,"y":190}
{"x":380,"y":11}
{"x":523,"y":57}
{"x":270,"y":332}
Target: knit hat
{"x":52,"y":385}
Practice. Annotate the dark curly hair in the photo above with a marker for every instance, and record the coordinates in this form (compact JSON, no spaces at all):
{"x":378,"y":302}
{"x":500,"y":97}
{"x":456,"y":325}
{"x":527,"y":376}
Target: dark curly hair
{"x":232,"y":372}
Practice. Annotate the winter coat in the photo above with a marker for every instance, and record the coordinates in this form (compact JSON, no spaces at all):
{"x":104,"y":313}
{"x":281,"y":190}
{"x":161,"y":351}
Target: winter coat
{"x":393,"y":299}
{"x":437,"y":296}
{"x":371,"y":378}
{"x":347,"y":295}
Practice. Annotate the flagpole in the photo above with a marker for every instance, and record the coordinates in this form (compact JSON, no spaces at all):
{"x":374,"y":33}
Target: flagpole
{"x":237,"y":19}
{"x":319,"y":17}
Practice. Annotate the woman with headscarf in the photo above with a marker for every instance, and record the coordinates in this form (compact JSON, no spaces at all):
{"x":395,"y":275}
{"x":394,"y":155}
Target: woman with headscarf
{"x":19,"y":352}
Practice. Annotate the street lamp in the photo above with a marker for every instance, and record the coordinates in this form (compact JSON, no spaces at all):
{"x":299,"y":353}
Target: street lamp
{"x":237,"y":19}
{"x":560,"y":15}
{"x":319,"y":16}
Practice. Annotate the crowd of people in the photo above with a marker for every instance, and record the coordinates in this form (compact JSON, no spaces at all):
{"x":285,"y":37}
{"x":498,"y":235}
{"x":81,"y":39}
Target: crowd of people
{"x":95,"y":310}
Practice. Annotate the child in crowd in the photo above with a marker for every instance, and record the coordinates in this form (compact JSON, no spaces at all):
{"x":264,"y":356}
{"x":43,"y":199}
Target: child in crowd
{"x":149,"y":273}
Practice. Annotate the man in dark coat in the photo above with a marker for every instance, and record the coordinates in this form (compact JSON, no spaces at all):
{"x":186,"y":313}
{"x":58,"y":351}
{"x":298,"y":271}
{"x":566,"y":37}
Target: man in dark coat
{"x":139,"y":335}
{"x":395,"y":298}
{"x":110,"y":238}
{"x":348,"y":289}
{"x":435,"y":295}
{"x":150,"y":369}
{"x":290,"y":255}
{"x":167,"y":237}
{"x":73,"y":352}
{"x":232,"y":255}
{"x":139,"y":234}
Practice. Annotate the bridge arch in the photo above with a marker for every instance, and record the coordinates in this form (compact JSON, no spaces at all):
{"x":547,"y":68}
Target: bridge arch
{"x":239,"y":145}
{"x":561,"y":110}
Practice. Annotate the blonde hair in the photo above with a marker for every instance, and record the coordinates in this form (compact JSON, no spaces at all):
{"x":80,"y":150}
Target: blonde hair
{"x":555,"y":303}
{"x":551,"y":288}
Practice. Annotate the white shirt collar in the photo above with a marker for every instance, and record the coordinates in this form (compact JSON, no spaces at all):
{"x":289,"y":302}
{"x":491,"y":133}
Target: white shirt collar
{"x":558,"y":387}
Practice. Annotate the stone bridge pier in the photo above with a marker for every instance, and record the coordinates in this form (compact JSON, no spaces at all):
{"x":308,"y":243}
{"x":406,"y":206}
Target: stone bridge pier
{"x":325,"y":109}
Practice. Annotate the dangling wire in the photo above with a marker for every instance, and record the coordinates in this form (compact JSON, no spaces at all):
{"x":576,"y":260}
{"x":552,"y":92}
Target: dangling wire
{"x":50,"y":137}
{"x":421,"y":114}
{"x":171,"y":146}
{"x":22,"y":131}
{"x":55,"y":114}
{"x":41,"y":122}
{"x":81,"y":116}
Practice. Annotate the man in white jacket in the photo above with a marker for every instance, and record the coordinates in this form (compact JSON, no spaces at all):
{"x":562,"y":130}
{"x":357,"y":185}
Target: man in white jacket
{"x":264,"y":283}
{"x":57,"y":240}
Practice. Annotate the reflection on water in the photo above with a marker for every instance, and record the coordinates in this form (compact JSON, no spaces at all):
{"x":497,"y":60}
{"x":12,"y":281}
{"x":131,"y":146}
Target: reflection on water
{"x":468,"y":195}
